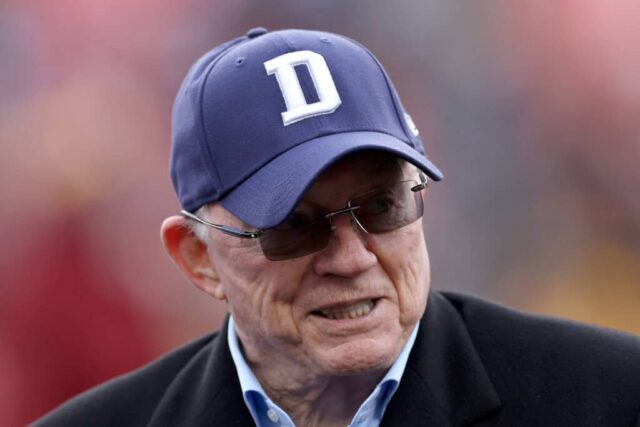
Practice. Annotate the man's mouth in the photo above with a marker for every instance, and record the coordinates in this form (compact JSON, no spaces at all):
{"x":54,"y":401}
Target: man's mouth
{"x":353,"y":311}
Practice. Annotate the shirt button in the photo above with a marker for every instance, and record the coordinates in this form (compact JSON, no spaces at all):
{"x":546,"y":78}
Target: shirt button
{"x":271,"y":414}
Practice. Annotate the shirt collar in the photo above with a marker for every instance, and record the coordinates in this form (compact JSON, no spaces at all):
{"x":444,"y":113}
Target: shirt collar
{"x":372,"y":409}
{"x":259,"y":404}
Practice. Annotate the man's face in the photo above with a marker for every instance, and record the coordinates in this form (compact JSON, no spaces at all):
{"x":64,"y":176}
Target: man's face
{"x":297,"y":311}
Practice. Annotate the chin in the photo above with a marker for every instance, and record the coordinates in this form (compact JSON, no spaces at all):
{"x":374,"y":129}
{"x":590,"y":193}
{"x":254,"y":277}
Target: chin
{"x":361,"y":356}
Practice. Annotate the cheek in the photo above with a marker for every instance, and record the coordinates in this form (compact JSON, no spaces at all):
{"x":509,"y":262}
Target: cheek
{"x":237,"y":264}
{"x":260,"y":293}
{"x":403,"y":256}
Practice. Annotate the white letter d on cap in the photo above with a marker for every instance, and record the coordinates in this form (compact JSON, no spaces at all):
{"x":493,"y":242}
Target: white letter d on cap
{"x":297,"y":107}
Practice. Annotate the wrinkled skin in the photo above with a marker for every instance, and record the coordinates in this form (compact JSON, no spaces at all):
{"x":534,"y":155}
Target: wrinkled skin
{"x":301,"y":358}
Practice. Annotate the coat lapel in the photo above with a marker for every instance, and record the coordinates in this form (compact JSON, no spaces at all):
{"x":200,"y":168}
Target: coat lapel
{"x":445,"y":382}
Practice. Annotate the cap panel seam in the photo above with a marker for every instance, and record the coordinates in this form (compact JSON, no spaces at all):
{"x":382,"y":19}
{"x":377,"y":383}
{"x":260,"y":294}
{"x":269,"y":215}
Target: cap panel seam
{"x":213,"y":171}
{"x":221,"y":193}
{"x":221,"y":190}
{"x":389,"y":88}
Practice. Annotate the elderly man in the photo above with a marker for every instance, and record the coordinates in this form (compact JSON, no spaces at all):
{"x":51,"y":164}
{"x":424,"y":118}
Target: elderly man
{"x":301,"y":179}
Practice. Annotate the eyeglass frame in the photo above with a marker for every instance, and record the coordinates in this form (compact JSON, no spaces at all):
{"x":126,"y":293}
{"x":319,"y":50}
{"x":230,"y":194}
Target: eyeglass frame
{"x":255,"y":234}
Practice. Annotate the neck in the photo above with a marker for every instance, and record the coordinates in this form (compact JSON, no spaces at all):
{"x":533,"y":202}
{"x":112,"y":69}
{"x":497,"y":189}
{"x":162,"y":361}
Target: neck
{"x":312,"y":400}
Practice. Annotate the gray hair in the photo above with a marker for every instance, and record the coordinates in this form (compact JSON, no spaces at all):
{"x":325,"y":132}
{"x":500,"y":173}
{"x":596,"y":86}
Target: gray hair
{"x":200,"y":230}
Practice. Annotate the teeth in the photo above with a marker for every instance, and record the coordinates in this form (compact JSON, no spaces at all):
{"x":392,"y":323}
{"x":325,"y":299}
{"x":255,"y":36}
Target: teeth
{"x":351,"y":312}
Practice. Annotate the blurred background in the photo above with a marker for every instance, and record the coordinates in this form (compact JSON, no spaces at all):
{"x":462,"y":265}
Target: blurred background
{"x":531,"y":109}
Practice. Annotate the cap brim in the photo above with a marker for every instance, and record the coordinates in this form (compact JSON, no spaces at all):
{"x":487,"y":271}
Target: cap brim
{"x":266,"y":198}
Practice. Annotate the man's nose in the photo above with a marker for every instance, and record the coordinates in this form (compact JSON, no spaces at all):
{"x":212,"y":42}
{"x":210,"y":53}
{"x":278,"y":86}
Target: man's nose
{"x":347,"y":253}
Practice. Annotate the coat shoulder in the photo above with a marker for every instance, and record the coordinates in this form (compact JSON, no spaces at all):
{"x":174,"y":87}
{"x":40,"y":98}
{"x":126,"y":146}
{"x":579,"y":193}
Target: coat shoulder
{"x":553,"y":363}
{"x":129,"y":399}
{"x":546,"y":338}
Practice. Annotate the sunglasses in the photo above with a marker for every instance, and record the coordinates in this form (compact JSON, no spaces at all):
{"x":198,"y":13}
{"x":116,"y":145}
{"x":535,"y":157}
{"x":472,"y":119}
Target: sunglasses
{"x":379,"y":210}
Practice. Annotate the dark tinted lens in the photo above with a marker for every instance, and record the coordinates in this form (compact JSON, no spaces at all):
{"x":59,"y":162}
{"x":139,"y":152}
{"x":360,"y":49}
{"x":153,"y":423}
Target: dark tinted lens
{"x":380,"y":210}
{"x":389,"y":208}
{"x":299,"y":235}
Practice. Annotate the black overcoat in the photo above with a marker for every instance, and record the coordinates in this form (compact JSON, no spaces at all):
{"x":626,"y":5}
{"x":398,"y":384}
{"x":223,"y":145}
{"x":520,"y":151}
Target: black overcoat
{"x":474,"y":363}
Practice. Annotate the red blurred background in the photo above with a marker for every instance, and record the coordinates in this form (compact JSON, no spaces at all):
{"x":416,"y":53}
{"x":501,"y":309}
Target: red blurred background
{"x":531,"y":109}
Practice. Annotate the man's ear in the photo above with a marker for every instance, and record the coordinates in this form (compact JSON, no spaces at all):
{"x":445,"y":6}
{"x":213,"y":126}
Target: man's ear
{"x":190,"y":255}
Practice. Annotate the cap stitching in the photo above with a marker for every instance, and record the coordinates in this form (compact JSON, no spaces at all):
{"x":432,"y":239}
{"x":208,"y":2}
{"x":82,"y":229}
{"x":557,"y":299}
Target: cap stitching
{"x":395,"y":99}
{"x":220,"y":193}
{"x":304,"y":142}
{"x":210,"y":164}
{"x":342,"y":155}
{"x":211,"y":195}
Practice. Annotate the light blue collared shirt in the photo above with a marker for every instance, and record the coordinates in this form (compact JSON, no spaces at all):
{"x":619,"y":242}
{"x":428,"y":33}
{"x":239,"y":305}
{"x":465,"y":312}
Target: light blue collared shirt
{"x":266,"y":413}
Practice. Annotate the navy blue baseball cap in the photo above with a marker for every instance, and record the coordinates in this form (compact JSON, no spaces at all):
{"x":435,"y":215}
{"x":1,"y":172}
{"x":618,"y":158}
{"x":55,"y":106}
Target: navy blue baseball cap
{"x":258,"y":118}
